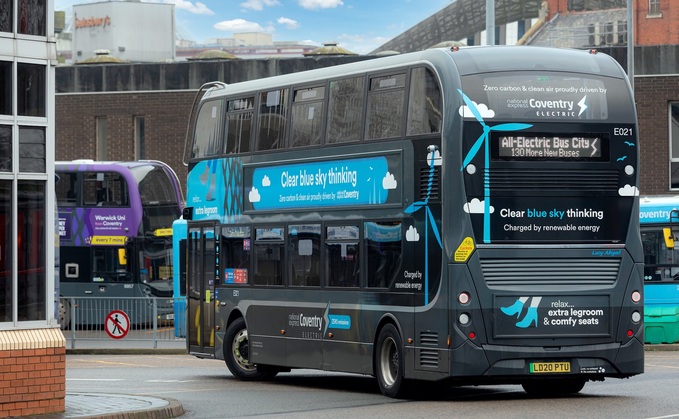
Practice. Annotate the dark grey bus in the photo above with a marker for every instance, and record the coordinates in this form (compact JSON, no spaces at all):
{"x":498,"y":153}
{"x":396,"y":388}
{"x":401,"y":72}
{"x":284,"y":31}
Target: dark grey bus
{"x":464,"y":216}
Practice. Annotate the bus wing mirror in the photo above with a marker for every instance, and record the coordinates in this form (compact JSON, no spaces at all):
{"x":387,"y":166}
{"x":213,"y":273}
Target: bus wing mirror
{"x":669,"y":237}
{"x":122,"y":256}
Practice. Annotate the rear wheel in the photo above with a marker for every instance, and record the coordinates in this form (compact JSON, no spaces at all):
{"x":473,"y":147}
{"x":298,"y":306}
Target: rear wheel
{"x":237,"y":354}
{"x":389,"y":362}
{"x":555,"y":387}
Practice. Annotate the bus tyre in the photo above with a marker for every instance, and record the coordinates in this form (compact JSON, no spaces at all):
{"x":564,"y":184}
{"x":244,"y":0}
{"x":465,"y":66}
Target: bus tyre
{"x":553,"y":387}
{"x":237,"y":353}
{"x":389,"y":362}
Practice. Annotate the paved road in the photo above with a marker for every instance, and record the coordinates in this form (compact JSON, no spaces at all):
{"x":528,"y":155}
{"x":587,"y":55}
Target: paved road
{"x":206,"y":389}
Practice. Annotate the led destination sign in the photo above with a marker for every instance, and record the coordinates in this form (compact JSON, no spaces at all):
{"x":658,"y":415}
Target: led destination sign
{"x":549,"y":147}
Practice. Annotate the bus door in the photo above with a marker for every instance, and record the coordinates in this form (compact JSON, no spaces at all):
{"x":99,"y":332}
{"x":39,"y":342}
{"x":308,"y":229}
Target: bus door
{"x":201,"y":288}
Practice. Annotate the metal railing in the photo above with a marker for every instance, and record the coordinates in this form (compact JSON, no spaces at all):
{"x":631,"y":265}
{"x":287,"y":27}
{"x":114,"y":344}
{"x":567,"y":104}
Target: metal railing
{"x":118,"y":322}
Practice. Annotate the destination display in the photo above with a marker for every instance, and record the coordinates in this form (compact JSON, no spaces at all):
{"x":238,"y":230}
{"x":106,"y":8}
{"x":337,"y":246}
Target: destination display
{"x":549,"y":147}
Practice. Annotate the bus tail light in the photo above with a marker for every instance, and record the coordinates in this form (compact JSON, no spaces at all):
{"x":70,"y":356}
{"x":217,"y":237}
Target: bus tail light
{"x":472,"y":335}
{"x":463,"y":298}
{"x":630,"y":333}
{"x":636,"y":317}
{"x":464,"y":319}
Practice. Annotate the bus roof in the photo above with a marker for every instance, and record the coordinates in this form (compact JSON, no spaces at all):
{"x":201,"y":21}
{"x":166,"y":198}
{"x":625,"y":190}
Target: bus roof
{"x":467,"y":60}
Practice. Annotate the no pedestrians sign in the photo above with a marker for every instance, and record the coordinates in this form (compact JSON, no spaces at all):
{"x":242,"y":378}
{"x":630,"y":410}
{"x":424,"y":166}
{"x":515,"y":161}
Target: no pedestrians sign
{"x":117,"y":324}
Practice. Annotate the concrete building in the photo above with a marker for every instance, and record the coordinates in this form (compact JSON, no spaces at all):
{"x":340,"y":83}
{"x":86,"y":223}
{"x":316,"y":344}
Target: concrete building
{"x":162,"y":93}
{"x":132,"y":31}
{"x":32,"y":347}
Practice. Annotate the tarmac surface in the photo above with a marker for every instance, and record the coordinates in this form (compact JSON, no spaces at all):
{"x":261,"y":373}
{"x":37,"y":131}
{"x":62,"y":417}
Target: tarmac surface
{"x":122,"y":406}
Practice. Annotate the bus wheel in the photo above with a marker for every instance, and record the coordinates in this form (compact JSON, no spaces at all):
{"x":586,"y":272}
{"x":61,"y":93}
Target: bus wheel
{"x":237,"y":353}
{"x":553,"y":387}
{"x":389,"y":362}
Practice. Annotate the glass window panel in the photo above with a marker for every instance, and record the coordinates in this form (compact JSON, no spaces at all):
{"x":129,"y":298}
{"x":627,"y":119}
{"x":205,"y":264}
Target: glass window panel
{"x":32,"y":149}
{"x":674,"y":144}
{"x":342,"y":251}
{"x":31,"y":96}
{"x":345,"y":110}
{"x":307,"y":117}
{"x":272,"y":117}
{"x":6,"y":87}
{"x":6,"y":240}
{"x":269,"y":256}
{"x":383,"y":253}
{"x":101,"y":141}
{"x":31,"y":241}
{"x":67,"y":189}
{"x":106,"y":266}
{"x":5,"y":148}
{"x":239,"y":125}
{"x":32,"y":16}
{"x":236,"y":249}
{"x":6,"y":15}
{"x":385,"y":106}
{"x":424,"y":103}
{"x":207,"y":139}
{"x":304,"y":242}
{"x":105,"y":189}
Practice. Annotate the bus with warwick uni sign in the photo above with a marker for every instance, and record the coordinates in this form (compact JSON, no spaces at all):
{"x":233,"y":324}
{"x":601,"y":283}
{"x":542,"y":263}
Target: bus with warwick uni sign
{"x":115,"y":231}
{"x":462,"y":216}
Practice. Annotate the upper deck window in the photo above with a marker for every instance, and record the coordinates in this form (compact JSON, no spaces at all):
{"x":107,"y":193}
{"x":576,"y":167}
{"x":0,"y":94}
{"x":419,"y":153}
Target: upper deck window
{"x":424,"y":104}
{"x":307,"y":116}
{"x":104,"y":189}
{"x":273,"y":113}
{"x":207,"y":140}
{"x":345,"y":110}
{"x":239,"y":125}
{"x":385,"y":106}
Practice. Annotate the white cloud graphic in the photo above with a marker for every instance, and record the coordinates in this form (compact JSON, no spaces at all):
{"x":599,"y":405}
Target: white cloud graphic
{"x":412,"y":235}
{"x":254,"y":196}
{"x":438,"y":160}
{"x":388,"y":182}
{"x":475,"y":206}
{"x":483,"y":110}
{"x":266,"y":181}
{"x":628,"y":190}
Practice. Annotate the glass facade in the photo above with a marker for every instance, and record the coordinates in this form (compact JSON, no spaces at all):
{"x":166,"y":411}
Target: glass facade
{"x":27,"y":217}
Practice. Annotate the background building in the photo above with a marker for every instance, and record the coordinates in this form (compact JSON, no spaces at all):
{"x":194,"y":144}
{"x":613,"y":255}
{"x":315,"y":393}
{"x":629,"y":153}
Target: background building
{"x":32,"y":348}
{"x":123,"y":95}
{"x":132,"y":31}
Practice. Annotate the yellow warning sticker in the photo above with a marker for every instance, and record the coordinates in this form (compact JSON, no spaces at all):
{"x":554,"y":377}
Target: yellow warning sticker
{"x":464,"y":250}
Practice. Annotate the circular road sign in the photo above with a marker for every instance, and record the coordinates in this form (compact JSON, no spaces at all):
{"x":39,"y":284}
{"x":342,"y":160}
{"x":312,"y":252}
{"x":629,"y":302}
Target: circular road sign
{"x":117,"y":324}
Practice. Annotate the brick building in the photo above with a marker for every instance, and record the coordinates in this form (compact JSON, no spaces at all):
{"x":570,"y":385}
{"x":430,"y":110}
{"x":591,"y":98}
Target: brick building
{"x":135,"y":111}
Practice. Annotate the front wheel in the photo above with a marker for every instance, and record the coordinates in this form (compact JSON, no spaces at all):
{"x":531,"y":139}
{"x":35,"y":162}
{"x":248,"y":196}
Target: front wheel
{"x":553,"y":387}
{"x":237,"y":354}
{"x":389,"y":362}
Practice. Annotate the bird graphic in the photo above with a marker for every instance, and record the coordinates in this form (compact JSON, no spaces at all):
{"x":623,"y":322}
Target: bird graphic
{"x":484,"y":139}
{"x":622,"y":158}
{"x":629,"y":144}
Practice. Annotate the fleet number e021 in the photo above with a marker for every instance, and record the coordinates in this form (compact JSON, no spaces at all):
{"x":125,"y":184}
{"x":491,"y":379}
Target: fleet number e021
{"x":624,"y":132}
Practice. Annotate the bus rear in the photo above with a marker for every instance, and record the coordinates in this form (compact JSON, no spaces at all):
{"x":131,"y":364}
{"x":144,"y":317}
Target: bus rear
{"x":549,"y":168}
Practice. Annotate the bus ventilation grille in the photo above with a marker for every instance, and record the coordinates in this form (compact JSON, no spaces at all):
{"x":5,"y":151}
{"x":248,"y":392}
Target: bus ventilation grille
{"x":424,"y":183}
{"x":501,"y":273}
{"x":429,"y":338}
{"x":429,"y":358}
{"x":565,"y":180}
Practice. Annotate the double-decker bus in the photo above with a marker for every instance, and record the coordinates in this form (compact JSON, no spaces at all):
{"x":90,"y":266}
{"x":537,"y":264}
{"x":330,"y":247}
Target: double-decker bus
{"x":464,"y":215}
{"x":659,"y":219}
{"x":115,"y":230}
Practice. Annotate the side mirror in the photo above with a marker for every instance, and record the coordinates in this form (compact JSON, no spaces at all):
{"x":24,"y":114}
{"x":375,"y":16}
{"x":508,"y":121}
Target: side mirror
{"x":669,"y":237}
{"x":122,"y":256}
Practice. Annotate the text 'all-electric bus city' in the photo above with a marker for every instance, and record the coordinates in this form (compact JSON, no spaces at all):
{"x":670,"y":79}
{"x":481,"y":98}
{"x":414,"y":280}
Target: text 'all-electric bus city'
{"x":468,"y":216}
{"x":115,"y":230}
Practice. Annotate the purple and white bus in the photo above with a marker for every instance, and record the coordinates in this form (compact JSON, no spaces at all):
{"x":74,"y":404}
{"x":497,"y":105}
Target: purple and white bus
{"x":115,"y":228}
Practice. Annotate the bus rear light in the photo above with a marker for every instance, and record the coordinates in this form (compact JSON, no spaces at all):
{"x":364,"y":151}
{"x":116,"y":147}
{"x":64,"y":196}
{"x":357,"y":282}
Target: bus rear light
{"x":464,"y":319}
{"x":472,"y":335}
{"x":636,"y":296}
{"x":463,"y":298}
{"x":630,"y":333}
{"x":636,"y":317}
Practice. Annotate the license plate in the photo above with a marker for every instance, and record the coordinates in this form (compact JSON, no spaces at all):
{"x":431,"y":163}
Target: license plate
{"x":550,"y":367}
